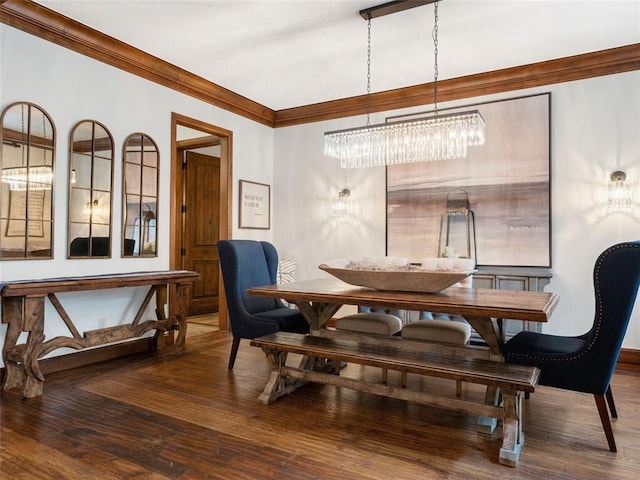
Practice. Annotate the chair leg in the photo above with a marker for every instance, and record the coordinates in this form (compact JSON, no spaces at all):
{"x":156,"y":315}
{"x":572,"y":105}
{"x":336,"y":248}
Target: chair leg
{"x":384,"y":376}
{"x":458,"y":388}
{"x":234,"y":352}
{"x":601,"y":403}
{"x":612,"y":405}
{"x":403,"y":380}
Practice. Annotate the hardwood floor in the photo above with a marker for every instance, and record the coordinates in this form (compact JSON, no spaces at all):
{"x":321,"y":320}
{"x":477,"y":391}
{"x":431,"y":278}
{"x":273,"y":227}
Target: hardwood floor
{"x":160,"y":416}
{"x":199,"y":324}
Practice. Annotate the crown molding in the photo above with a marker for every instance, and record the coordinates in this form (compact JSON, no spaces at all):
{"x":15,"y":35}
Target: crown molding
{"x":578,"y":67}
{"x":51,"y":26}
{"x":42,"y":22}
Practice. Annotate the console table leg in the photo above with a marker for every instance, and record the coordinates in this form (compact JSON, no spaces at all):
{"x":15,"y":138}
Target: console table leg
{"x":34,"y":324}
{"x":182,"y":292}
{"x":12,"y":315}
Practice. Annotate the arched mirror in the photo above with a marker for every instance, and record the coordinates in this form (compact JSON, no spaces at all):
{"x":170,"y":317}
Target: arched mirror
{"x":26,"y":209}
{"x":90,"y":184}
{"x":140,"y":176}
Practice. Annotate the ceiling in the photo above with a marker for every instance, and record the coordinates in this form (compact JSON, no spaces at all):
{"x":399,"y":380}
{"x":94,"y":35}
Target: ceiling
{"x":285,"y":54}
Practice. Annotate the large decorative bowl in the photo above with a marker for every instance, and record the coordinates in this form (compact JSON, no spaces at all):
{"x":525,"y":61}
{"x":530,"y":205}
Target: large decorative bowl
{"x":403,"y":279}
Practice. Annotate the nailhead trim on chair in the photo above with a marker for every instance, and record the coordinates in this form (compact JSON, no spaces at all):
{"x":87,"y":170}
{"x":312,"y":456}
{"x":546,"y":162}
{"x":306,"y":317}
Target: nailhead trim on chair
{"x":598,"y":294}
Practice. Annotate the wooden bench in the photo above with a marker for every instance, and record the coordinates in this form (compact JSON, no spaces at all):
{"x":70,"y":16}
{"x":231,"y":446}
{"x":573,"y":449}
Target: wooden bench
{"x":23,"y":307}
{"x":321,"y":353}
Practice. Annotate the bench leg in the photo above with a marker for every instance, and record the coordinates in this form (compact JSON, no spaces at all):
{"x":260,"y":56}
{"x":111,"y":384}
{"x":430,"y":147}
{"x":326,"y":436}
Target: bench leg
{"x":512,"y":437}
{"x":278,"y":384}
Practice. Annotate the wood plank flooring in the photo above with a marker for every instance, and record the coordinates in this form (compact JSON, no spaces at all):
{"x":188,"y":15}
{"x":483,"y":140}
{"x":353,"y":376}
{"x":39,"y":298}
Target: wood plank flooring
{"x":161,"y":416}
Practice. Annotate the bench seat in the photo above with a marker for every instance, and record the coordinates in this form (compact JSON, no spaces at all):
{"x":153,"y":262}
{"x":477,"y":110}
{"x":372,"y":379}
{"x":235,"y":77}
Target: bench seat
{"x":511,"y":380}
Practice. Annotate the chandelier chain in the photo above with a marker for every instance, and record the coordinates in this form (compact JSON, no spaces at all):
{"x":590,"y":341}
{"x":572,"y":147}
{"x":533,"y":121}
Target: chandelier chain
{"x":437,"y":137}
{"x":434,"y":35}
{"x":368,"y":67}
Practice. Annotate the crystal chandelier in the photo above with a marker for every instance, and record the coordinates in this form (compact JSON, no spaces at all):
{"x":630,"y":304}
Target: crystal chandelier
{"x":33,"y":178}
{"x":440,"y":137}
{"x":37,"y":177}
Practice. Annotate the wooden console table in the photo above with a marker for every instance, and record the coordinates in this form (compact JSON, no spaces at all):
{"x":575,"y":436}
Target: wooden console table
{"x":23,"y":305}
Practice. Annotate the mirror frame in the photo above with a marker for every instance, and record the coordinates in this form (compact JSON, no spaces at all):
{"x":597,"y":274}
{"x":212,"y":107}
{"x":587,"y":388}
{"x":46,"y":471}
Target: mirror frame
{"x":143,"y":218}
{"x":94,"y":248}
{"x":27,"y":226}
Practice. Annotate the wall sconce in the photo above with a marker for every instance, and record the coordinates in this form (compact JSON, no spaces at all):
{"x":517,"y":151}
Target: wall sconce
{"x":91,"y":207}
{"x":341,"y":203}
{"x":619,"y":192}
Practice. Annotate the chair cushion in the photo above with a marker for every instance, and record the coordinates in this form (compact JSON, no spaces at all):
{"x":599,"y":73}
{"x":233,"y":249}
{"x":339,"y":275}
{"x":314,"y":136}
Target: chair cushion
{"x":374,"y":323}
{"x":288,"y":319}
{"x":444,"y":331}
{"x":541,"y":345}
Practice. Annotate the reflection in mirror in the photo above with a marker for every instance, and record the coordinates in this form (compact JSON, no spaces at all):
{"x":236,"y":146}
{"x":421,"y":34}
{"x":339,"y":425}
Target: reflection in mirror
{"x":26,"y":162}
{"x":90,"y":184}
{"x":140,"y":196}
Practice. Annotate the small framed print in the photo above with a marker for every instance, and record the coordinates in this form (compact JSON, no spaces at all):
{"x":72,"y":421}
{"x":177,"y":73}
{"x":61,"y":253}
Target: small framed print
{"x":255,"y":205}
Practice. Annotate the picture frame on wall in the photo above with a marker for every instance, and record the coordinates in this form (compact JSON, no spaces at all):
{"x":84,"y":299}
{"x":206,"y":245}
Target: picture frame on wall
{"x":507,"y":180}
{"x":255,"y":205}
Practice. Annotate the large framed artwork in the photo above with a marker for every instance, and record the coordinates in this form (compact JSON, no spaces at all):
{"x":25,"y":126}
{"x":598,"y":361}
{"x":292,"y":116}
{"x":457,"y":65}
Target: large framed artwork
{"x":255,"y":208}
{"x":507,"y":181}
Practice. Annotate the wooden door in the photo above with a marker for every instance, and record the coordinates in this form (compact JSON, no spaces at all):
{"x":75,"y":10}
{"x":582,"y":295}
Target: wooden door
{"x":201,"y":217}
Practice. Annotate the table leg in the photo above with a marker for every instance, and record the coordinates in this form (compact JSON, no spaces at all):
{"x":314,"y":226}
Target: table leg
{"x":12,"y":314}
{"x":182,"y":292}
{"x":492,"y":334}
{"x":317,"y":314}
{"x":34,"y":324}
{"x":512,"y":437}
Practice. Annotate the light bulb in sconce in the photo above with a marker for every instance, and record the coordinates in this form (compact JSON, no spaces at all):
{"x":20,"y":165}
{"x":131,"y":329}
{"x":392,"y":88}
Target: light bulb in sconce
{"x":341,"y":203}
{"x":90,"y":207}
{"x":619,"y":197}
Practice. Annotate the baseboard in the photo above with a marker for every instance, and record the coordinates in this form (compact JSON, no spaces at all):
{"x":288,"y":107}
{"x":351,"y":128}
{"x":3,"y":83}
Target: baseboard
{"x":629,"y":359}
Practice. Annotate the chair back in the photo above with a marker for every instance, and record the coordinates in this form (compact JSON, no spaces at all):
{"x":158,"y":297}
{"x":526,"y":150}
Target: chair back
{"x":616,"y":279}
{"x":246,"y":264}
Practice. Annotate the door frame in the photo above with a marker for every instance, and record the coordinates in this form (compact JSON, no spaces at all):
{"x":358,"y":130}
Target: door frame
{"x":176,"y":181}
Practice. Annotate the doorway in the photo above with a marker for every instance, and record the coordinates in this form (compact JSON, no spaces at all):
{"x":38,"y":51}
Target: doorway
{"x":200,"y":208}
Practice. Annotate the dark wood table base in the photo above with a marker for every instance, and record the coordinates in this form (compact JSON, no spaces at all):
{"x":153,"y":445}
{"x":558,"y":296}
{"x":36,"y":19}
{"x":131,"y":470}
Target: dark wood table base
{"x":23,"y":306}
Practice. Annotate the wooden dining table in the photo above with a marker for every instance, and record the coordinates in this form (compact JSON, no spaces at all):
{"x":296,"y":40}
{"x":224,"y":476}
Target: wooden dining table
{"x":485,"y":309}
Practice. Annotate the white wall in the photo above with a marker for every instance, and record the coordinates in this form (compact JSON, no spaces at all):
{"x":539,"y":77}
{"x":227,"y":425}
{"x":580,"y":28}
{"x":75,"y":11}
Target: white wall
{"x":595,"y":131}
{"x":71,"y":87}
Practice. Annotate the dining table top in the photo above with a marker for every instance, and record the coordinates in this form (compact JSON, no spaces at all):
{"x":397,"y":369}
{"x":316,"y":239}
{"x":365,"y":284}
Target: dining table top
{"x":475,"y":302}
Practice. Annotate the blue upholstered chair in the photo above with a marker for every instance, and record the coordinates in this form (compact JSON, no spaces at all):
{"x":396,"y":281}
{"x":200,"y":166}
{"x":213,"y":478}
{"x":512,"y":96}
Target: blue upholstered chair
{"x":246,"y":264}
{"x":585,"y":363}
